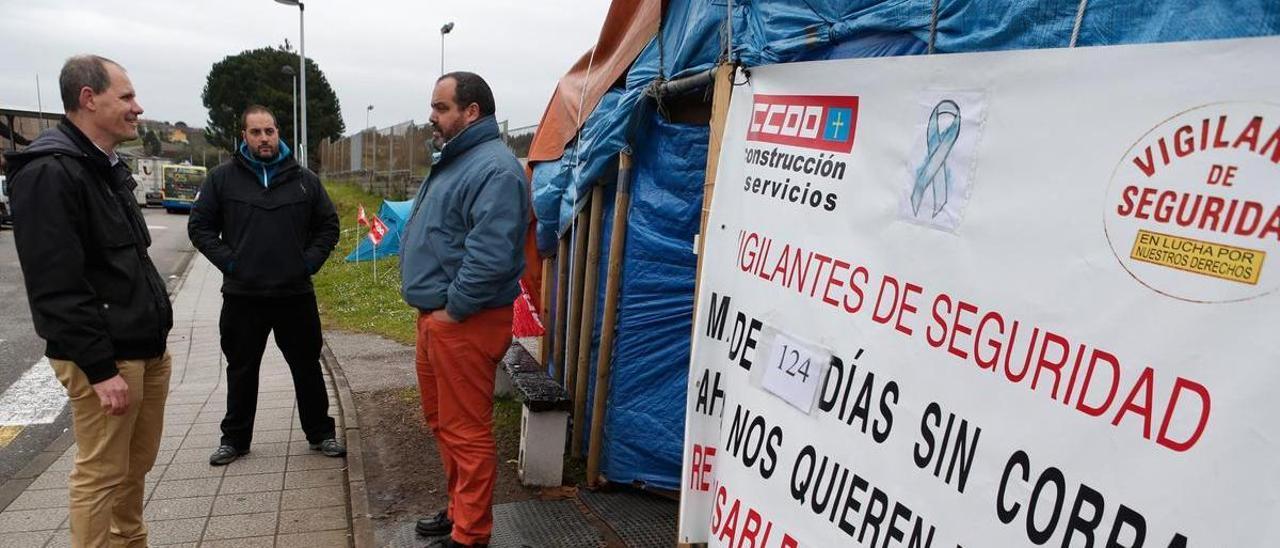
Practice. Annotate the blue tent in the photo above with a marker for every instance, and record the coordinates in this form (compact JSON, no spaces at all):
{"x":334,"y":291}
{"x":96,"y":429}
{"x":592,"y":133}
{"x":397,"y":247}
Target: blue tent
{"x":394,"y":215}
{"x":645,"y":421}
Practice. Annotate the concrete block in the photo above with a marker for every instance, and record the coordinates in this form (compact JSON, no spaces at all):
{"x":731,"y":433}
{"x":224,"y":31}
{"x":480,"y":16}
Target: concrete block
{"x":542,"y":435}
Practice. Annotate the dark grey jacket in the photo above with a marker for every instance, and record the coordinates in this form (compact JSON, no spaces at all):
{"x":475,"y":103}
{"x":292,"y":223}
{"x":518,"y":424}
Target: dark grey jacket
{"x":95,"y":294}
{"x":268,"y":241}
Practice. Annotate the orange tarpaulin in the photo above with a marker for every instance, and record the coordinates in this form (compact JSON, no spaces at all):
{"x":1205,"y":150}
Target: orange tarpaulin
{"x":628,"y":28}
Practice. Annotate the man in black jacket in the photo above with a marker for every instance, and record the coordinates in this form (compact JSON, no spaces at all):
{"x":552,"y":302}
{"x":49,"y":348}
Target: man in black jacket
{"x":268,"y":224}
{"x":95,"y":296}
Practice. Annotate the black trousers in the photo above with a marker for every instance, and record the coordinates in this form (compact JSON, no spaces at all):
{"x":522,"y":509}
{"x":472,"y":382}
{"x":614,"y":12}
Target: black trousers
{"x":244,"y":326}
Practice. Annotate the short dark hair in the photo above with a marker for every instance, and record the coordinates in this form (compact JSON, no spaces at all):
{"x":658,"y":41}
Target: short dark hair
{"x":256,"y":109}
{"x":83,"y":71}
{"x":471,"y":88}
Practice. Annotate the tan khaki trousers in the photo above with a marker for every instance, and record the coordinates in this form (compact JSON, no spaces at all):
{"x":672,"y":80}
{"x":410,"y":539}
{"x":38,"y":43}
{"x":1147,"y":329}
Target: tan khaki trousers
{"x":113,"y":454}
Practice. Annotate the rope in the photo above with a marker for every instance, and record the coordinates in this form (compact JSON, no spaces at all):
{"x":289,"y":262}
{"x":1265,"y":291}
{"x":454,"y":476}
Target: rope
{"x":727,"y":45}
{"x":662,"y":51}
{"x":933,"y":26}
{"x":582,"y":100}
{"x":1075,"y":31}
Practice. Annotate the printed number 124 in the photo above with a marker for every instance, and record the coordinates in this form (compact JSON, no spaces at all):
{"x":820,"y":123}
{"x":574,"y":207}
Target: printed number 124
{"x":791,"y":364}
{"x":794,"y":373}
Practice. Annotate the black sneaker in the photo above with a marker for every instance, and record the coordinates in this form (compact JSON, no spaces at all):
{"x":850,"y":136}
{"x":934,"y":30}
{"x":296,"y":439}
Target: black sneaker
{"x":438,"y":525}
{"x":330,"y":448}
{"x":224,"y":455}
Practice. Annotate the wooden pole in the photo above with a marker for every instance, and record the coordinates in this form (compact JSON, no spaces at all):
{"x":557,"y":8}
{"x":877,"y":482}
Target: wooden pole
{"x":719,"y":112}
{"x":580,"y":229}
{"x":721,"y":93}
{"x":613,"y":281}
{"x":544,"y":305}
{"x":592,"y":274}
{"x":562,"y":299}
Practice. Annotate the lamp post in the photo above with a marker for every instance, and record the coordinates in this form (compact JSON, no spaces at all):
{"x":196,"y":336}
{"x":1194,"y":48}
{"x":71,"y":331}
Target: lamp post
{"x":443,"y":31}
{"x":302,"y":70}
{"x":293,"y":114}
{"x":373,"y":162}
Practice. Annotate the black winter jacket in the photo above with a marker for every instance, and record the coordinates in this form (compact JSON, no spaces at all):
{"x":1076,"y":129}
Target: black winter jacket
{"x":267,"y":241}
{"x":95,"y":294}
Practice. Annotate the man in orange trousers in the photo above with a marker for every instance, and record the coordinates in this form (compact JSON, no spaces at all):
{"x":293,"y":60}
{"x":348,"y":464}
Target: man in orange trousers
{"x":461,"y":258}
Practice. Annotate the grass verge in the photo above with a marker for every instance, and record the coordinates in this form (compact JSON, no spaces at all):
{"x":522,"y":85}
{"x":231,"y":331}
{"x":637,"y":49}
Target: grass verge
{"x":349,"y":294}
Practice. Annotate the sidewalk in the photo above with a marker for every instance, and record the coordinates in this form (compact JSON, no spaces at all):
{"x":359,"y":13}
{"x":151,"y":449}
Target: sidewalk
{"x":282,"y":494}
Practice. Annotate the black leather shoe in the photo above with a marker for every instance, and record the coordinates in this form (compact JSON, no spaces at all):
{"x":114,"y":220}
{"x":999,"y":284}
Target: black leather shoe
{"x":225,"y":454}
{"x":448,"y":542}
{"x":438,"y":525}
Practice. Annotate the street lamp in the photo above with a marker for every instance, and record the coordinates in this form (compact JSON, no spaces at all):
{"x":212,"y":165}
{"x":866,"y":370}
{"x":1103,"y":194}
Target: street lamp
{"x":293,"y":114}
{"x":374,"y":161}
{"x":443,"y":31}
{"x":302,"y":70}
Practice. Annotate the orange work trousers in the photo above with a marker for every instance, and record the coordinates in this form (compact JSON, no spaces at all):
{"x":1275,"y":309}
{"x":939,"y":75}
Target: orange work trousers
{"x":456,"y":363}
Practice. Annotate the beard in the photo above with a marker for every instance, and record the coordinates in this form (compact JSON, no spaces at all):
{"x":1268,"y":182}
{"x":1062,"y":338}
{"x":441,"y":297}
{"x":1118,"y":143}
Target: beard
{"x":440,"y":137}
{"x":266,"y":153}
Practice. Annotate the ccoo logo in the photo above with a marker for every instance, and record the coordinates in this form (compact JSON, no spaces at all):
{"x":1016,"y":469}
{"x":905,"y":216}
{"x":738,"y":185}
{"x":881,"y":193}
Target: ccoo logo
{"x":822,"y":122}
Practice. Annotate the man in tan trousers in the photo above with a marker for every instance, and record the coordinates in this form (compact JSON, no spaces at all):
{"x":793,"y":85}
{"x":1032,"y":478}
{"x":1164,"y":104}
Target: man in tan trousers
{"x":95,"y":296}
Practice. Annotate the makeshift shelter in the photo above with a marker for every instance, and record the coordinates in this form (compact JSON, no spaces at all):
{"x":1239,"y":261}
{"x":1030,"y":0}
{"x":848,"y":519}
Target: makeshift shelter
{"x":644,"y":92}
{"x":394,"y":215}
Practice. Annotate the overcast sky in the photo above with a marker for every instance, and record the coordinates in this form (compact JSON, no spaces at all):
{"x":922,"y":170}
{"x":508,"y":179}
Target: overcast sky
{"x":384,"y":53}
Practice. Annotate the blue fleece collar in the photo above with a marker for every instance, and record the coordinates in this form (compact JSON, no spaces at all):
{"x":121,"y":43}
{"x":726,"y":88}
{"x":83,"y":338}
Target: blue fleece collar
{"x":483,"y":129}
{"x":266,"y":170}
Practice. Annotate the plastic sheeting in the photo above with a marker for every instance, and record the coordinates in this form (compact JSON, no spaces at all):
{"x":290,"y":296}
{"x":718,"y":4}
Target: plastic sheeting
{"x":778,"y":31}
{"x":646,"y":404}
{"x":394,"y":215}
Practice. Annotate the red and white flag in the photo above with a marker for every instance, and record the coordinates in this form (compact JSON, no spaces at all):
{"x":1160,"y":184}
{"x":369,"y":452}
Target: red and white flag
{"x":377,"y":230}
{"x":360,"y":217}
{"x":525,"y":321}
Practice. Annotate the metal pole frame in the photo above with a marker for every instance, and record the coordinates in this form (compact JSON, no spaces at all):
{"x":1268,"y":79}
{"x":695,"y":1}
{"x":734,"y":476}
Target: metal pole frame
{"x":302,"y":70}
{"x":294,"y":114}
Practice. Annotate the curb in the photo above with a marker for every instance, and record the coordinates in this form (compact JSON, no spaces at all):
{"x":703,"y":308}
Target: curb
{"x":23,"y":478}
{"x":361,"y":522}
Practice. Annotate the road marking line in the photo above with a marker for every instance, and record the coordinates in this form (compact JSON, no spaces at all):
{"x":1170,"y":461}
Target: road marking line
{"x":36,"y":398}
{"x":8,"y":433}
{"x":157,"y":227}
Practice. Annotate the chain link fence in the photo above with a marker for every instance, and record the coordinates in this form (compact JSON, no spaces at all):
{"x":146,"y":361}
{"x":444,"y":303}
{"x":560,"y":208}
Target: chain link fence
{"x":392,"y":161}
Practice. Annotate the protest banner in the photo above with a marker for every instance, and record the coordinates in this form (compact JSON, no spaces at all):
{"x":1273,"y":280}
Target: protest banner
{"x":996,"y":299}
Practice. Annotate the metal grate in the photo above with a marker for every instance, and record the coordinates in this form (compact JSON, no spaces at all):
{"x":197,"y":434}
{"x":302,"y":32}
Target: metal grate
{"x":530,"y":523}
{"x":542,"y":524}
{"x":640,"y":519}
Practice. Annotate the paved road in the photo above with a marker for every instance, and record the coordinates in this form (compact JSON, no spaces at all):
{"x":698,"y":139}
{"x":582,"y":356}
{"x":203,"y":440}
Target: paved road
{"x":20,"y":348}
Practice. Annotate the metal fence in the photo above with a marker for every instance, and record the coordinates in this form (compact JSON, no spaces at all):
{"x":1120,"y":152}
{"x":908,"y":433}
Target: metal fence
{"x":392,"y":161}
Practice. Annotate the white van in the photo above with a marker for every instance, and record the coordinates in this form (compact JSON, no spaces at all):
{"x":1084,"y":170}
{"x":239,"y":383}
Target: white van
{"x":146,"y":172}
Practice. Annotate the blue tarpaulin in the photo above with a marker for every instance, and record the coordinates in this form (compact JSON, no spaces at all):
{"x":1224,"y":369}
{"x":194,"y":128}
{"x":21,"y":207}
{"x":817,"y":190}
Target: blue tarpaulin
{"x":394,"y":215}
{"x":645,"y":421}
{"x":644,"y":428}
